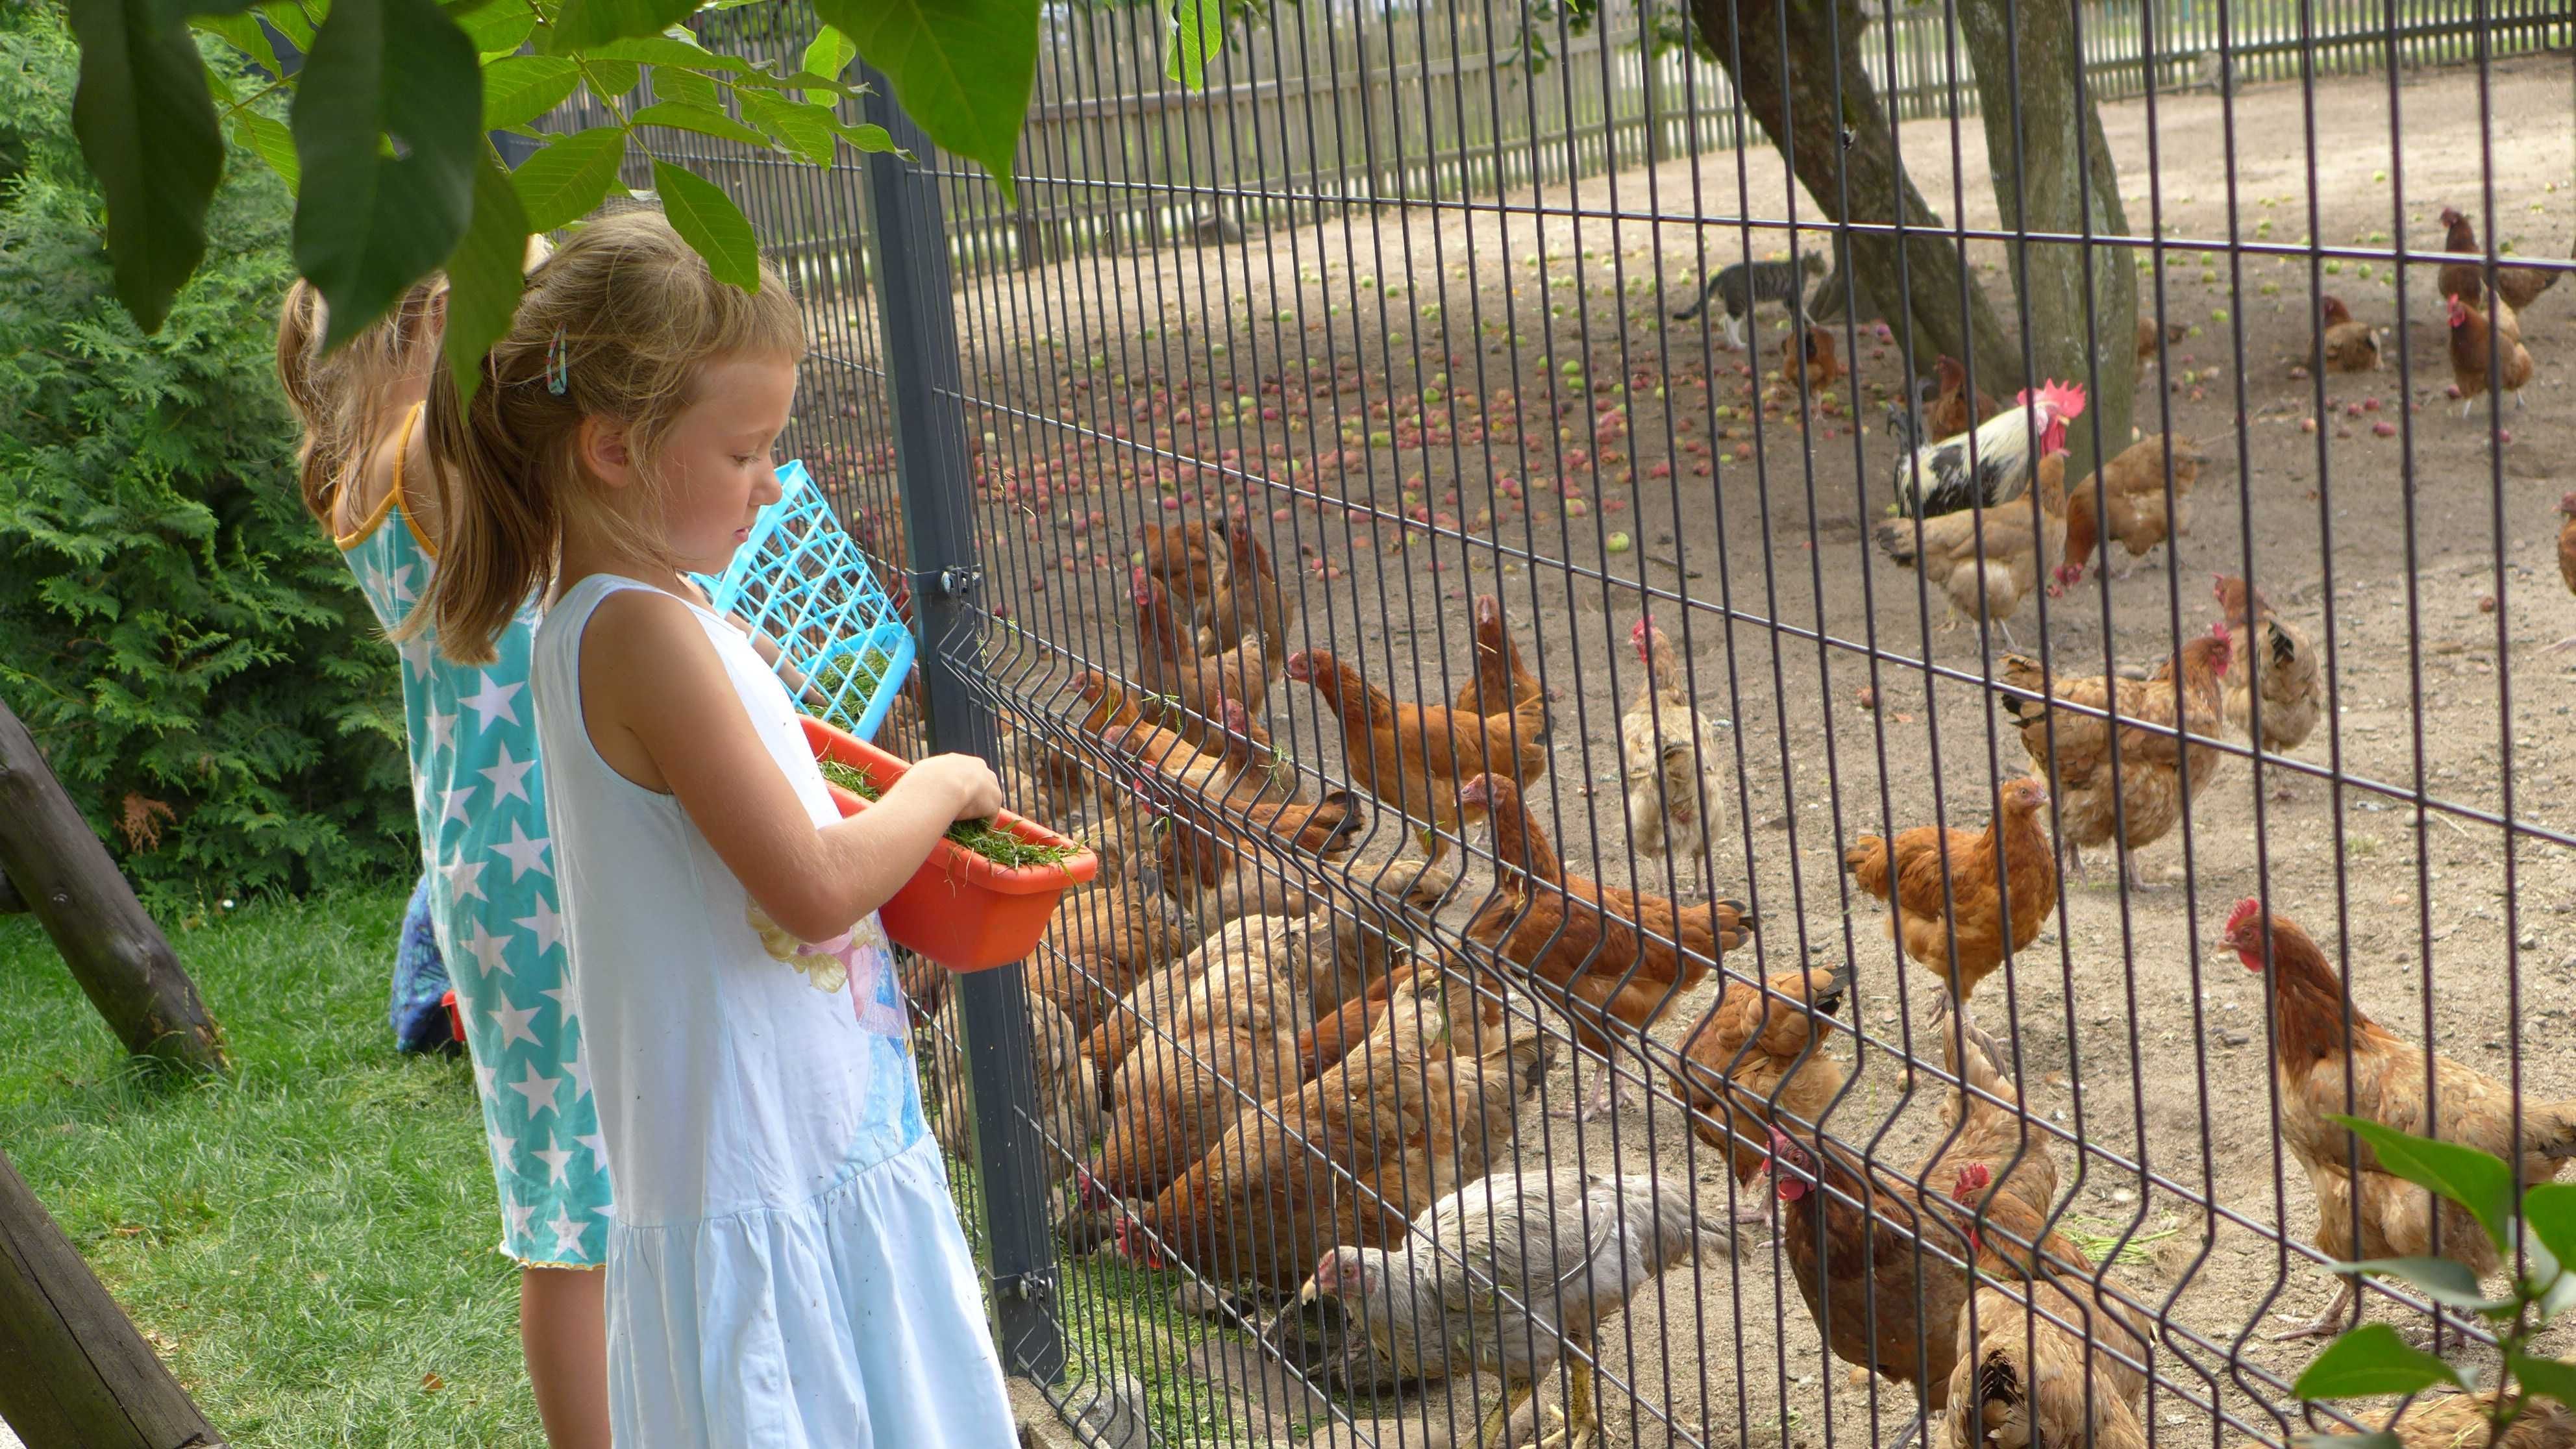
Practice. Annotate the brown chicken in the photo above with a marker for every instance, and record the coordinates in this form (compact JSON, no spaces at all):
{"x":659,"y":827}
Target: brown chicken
{"x":1432,"y":1095}
{"x":1812,"y":368}
{"x":2157,"y":773}
{"x":2019,"y":551}
{"x":1499,"y":675}
{"x":2471,"y":330}
{"x":1669,"y":760}
{"x":1760,"y":1052}
{"x":1413,"y":756}
{"x":2566,"y":560}
{"x":2281,"y":668}
{"x":1246,"y":599}
{"x":2458,"y":1421}
{"x":2134,"y":511}
{"x":2010,"y":859}
{"x":1180,"y":556}
{"x":2051,"y":1361}
{"x":2344,"y":345}
{"x":2314,"y":1054}
{"x":1985,"y":1128}
{"x":1068,"y":1103}
{"x":2149,"y":334}
{"x":1156,"y":997}
{"x":1193,"y":688}
{"x":1852,"y":1244}
{"x":1948,"y":414}
{"x":1605,"y":956}
{"x":1102,"y":940}
{"x":2521,"y":286}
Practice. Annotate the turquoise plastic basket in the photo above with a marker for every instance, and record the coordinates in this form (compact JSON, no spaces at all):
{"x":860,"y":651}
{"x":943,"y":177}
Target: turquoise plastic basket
{"x":803,"y":582}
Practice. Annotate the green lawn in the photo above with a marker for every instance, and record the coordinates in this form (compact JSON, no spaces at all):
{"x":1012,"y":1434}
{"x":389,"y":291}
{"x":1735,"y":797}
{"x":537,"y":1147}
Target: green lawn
{"x":310,"y":1242}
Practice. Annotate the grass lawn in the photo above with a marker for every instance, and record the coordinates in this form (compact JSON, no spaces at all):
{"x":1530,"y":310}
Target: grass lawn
{"x":309,"y":1243}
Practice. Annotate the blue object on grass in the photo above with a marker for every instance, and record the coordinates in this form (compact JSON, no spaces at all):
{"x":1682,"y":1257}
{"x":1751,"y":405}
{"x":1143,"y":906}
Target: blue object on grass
{"x":802,"y":580}
{"x":420,"y":980}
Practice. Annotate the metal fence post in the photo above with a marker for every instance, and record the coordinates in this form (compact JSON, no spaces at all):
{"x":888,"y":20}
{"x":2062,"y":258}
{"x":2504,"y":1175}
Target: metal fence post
{"x":920,"y":339}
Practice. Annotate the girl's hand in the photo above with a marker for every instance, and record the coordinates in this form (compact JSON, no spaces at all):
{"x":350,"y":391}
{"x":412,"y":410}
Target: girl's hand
{"x":964,"y":780}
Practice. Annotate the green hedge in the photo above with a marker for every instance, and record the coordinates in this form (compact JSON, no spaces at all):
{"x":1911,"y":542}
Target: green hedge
{"x":184,"y":643}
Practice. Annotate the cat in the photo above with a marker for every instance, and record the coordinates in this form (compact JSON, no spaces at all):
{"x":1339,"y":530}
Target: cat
{"x":1747,"y":285}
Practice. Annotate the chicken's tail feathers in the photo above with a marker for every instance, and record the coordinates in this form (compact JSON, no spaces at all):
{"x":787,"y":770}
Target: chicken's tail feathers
{"x":1869,"y":861}
{"x":1999,"y":1403}
{"x":1895,"y":538}
{"x":2550,"y":1129}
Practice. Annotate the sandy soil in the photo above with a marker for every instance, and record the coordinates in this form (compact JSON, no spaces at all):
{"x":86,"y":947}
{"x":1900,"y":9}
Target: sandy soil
{"x":2134,"y":1034}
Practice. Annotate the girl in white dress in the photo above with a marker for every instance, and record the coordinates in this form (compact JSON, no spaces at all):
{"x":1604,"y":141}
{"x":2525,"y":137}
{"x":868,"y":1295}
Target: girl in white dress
{"x":785,"y":1268}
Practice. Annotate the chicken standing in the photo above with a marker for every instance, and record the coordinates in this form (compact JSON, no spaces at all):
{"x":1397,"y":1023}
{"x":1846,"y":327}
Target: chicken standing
{"x":1194,"y":687}
{"x":1105,"y":938}
{"x":1991,"y":465}
{"x":2280,"y":669}
{"x":1949,"y":414}
{"x":1947,"y":889}
{"x":2157,"y":771}
{"x":1513,"y":1275}
{"x":1985,"y":561}
{"x":1813,"y":367}
{"x":2315,"y":1052}
{"x":2343,"y":344}
{"x":1412,"y":756}
{"x":1758,"y":1053}
{"x":2521,"y":286}
{"x":2132,"y":508}
{"x":2567,"y":559}
{"x":1246,"y":601}
{"x":2472,"y":330}
{"x":1499,"y":682}
{"x":1676,"y":803}
{"x":1608,"y":957}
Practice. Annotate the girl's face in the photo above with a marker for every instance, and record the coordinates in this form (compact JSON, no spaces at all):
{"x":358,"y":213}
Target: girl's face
{"x":718,"y":468}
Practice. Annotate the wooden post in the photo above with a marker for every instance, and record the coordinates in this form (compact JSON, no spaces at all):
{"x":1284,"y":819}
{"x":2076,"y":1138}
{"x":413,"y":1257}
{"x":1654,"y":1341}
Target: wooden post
{"x":73,"y":1370}
{"x":114,"y":950}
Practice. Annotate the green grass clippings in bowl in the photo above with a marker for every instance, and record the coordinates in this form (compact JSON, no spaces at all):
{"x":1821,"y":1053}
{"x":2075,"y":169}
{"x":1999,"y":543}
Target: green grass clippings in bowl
{"x":865,"y":670}
{"x":983,"y":837}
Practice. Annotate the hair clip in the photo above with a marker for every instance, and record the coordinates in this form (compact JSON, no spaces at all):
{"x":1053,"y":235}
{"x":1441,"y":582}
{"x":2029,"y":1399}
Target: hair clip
{"x":558,"y":365}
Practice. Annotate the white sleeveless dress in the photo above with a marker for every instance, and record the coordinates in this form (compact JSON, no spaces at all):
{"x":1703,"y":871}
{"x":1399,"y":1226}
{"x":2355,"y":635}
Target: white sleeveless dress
{"x":785,"y":1267}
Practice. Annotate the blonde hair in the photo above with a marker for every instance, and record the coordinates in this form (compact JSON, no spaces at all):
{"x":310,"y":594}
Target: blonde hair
{"x":638,"y":313}
{"x":339,"y":396}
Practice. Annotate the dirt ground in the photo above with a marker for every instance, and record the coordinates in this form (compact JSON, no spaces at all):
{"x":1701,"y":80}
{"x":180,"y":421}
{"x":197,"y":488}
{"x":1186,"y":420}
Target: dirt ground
{"x":2135,"y":1033}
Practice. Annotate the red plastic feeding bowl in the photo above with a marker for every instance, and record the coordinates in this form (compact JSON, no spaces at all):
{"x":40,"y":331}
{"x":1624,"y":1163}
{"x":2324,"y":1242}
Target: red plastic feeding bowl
{"x":455,"y":1018}
{"x":959,"y":909}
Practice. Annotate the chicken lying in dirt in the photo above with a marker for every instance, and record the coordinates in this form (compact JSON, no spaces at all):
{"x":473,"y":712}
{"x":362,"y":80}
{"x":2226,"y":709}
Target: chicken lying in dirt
{"x":2149,"y":333}
{"x":2314,"y":1054}
{"x":2344,"y":345}
{"x":2157,"y":772}
{"x":2018,"y":550}
{"x":1607,"y":957}
{"x":1353,"y":1156}
{"x":1676,"y":800}
{"x":1513,"y":1275}
{"x":2280,"y":668}
{"x":2473,"y":331}
{"x":2011,"y":859}
{"x":2051,"y":1360}
{"x":2459,"y":1421}
{"x":2133,"y":511}
{"x":1759,"y":1054}
{"x":1413,"y":756}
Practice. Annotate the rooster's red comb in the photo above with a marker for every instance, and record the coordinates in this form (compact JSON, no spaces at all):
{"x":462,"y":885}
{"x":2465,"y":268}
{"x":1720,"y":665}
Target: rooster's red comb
{"x":1972,"y":1178}
{"x":2246,"y":910}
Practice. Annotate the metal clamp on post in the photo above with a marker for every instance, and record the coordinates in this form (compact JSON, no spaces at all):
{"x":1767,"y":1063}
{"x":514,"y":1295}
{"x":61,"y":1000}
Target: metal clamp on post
{"x":1034,"y":1286}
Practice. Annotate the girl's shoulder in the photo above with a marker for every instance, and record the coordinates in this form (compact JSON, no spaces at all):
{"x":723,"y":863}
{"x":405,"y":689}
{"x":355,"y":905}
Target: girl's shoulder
{"x":398,"y":473}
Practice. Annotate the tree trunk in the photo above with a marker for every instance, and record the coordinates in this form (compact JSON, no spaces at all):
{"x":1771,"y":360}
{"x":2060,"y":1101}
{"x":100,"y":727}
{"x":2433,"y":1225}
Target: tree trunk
{"x":2026,"y":86}
{"x":1792,"y":95}
{"x":114,"y":950}
{"x":11,"y":903}
{"x":72,"y":1368}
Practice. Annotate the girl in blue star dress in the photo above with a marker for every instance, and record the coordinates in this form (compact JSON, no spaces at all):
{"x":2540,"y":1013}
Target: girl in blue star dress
{"x":786,"y":1268}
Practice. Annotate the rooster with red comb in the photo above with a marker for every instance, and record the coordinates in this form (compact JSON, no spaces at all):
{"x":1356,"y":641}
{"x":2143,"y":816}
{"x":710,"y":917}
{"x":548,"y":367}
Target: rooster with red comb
{"x":1985,"y":467}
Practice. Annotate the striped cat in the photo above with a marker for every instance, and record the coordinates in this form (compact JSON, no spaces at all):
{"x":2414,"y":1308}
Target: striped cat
{"x":1747,"y":285}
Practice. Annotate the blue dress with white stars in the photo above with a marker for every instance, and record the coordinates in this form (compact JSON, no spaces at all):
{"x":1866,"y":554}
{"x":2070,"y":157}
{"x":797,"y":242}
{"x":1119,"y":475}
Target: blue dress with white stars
{"x":481,"y":798}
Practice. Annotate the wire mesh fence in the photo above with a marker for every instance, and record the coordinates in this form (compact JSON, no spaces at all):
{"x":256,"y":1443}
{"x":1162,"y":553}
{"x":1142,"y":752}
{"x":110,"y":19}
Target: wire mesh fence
{"x":1529,"y":983}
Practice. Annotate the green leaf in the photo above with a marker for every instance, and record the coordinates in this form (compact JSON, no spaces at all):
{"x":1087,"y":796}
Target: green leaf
{"x":1198,"y":33}
{"x":498,"y":28}
{"x":2439,"y":1279}
{"x":701,"y":119}
{"x":588,"y":24}
{"x":961,"y":68}
{"x":269,"y":137}
{"x":2475,"y":1180}
{"x":289,"y":19}
{"x":667,"y":50}
{"x":147,"y":128}
{"x":830,"y":53}
{"x":2549,"y":1210}
{"x":758,"y":79}
{"x":708,"y":220}
{"x":800,"y":126}
{"x":521,"y":88}
{"x":2546,"y":1376}
{"x":486,"y":273}
{"x":867,"y":136}
{"x":684,"y":87}
{"x":610,"y":78}
{"x":371,"y":223}
{"x":242,"y":33}
{"x":2368,"y":1361}
{"x":569,"y":178}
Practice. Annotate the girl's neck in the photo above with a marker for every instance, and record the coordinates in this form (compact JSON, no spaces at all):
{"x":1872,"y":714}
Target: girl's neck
{"x":585,"y":553}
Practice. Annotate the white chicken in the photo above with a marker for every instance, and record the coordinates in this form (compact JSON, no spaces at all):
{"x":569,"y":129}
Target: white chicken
{"x":1982,"y":468}
{"x":1676,"y":804}
{"x":1508,"y":1274}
